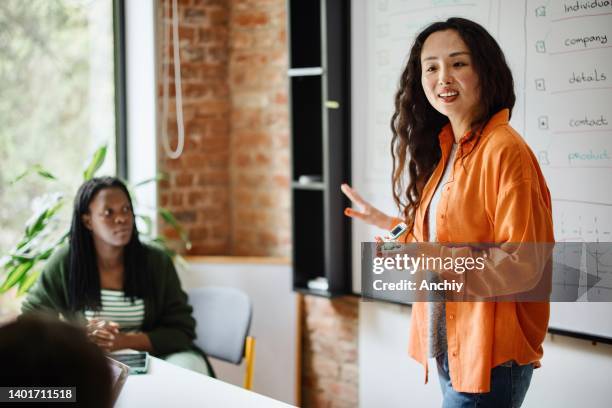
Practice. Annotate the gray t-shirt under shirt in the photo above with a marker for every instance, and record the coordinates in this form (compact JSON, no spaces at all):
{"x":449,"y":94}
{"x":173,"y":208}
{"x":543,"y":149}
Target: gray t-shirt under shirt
{"x":437,"y":310}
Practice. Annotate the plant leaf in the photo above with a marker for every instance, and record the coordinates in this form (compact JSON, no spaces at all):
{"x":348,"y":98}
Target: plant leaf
{"x":22,"y":257}
{"x":44,"y":173}
{"x":5,"y":261}
{"x":148,"y":224}
{"x":15,"y":275}
{"x":169,"y":218}
{"x":160,"y":242}
{"x":168,"y":251}
{"x":43,"y":256}
{"x":96,"y":162}
{"x":36,"y":168}
{"x":19,"y":177}
{"x":181,"y":262}
{"x":27,"y":283}
{"x":40,"y":220}
{"x":158,"y":177}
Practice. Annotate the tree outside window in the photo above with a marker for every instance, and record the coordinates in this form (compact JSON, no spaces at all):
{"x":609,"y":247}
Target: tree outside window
{"x":57,"y":105}
{"x":58,"y":99}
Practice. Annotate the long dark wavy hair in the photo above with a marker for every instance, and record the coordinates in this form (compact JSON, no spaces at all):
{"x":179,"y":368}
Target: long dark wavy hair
{"x":416,"y":124}
{"x":84,"y":277}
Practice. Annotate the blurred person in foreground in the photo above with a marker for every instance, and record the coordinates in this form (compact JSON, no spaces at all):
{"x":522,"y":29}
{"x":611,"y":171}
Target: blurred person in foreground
{"x":37,"y":351}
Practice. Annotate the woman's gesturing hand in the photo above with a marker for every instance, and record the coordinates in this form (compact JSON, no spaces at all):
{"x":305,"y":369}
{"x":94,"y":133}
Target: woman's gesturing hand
{"x":369,"y":214}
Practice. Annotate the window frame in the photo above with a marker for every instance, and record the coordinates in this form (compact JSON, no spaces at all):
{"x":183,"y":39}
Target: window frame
{"x":119,"y":45}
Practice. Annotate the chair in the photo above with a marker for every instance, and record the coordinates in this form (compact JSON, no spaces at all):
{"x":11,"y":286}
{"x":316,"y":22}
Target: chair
{"x":223,"y":317}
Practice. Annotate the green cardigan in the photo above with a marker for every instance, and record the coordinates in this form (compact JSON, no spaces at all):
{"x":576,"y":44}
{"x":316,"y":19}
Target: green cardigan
{"x":167,"y":321}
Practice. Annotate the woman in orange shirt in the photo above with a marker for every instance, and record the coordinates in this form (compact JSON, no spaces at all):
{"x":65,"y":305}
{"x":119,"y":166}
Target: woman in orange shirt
{"x":472,"y":179}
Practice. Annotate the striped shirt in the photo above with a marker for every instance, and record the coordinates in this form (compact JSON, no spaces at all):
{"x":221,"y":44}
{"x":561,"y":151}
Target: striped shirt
{"x":119,"y":309}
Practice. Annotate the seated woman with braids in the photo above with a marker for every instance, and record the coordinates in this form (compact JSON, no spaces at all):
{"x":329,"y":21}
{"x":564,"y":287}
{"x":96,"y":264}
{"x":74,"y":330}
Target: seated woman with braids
{"x":126,"y":293}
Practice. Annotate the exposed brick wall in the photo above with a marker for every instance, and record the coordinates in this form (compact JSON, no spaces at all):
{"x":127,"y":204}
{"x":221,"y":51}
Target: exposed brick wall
{"x":197,"y":188}
{"x":259,"y":151}
{"x":329,"y":346}
{"x":230,"y":188}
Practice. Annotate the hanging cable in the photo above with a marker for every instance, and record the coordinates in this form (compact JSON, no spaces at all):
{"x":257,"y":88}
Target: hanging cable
{"x":173,"y":154}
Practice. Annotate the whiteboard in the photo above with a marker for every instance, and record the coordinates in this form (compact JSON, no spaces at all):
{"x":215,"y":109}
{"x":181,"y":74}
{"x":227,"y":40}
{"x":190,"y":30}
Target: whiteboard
{"x":561,"y":58}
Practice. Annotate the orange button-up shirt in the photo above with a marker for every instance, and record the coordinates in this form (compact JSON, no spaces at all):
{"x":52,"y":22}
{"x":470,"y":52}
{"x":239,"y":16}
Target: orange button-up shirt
{"x":496,"y":193}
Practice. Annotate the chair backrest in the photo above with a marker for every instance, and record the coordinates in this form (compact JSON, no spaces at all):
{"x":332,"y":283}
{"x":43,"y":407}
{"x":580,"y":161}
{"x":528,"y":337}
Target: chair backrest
{"x":223,"y":319}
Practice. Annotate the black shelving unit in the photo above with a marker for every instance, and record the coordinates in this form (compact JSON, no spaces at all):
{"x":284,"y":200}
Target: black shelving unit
{"x":319,"y":81}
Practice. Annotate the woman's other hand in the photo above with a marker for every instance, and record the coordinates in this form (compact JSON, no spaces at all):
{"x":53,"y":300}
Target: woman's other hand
{"x":368,"y":214}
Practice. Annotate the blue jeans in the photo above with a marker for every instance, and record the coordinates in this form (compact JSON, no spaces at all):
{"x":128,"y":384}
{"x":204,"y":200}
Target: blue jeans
{"x":509,"y":384}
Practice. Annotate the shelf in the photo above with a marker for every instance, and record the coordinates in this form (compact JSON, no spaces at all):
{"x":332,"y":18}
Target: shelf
{"x":316,"y":292}
{"x":298,"y":72}
{"x":306,"y":126}
{"x":319,"y":78}
{"x":308,"y":186}
{"x":305,"y":29}
{"x":308,"y":236}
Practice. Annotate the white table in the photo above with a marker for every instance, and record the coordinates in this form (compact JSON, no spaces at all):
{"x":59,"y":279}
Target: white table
{"x":167,"y":385}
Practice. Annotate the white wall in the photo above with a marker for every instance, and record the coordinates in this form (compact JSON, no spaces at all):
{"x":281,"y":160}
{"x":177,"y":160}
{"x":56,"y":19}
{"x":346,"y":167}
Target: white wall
{"x":141,"y":88}
{"x":387,"y":376}
{"x":274,"y":322}
{"x":574,"y":372}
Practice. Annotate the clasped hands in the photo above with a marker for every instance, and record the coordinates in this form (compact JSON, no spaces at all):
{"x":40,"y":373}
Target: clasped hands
{"x":105,"y":334}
